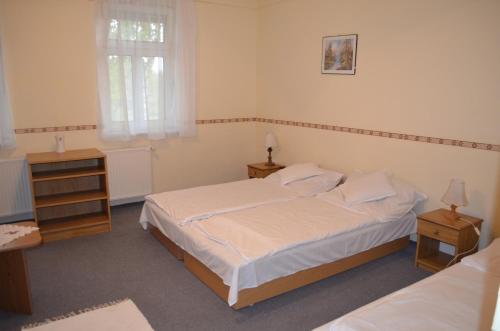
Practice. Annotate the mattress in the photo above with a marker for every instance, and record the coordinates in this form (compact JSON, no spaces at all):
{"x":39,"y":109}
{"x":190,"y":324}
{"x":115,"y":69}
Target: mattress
{"x":238,"y":273}
{"x":461,"y":297}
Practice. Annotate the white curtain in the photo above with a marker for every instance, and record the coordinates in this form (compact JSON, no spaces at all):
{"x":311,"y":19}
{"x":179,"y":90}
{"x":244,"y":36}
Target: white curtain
{"x":146,"y":68}
{"x":7,"y":137}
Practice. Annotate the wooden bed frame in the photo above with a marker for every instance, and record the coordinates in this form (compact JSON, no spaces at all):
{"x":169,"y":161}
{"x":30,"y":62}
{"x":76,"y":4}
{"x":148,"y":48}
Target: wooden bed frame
{"x":249,"y":296}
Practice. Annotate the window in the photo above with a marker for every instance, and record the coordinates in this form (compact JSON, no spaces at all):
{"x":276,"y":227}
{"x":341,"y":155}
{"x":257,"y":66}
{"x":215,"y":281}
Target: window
{"x":135,"y":62}
{"x":142,"y":76}
{"x":7,"y":137}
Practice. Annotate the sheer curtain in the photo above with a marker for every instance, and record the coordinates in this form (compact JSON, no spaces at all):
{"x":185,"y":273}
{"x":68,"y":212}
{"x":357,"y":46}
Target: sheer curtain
{"x":7,"y":137}
{"x":146,"y":68}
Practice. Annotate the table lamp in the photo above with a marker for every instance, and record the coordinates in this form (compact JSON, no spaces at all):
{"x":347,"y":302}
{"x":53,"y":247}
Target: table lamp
{"x":270,"y":143}
{"x":455,"y":196}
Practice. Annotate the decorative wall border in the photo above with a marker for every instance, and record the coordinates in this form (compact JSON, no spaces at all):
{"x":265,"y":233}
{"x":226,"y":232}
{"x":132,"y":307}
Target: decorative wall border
{"x":227,"y":120}
{"x":385,"y":134}
{"x":56,"y":129}
{"x":375,"y":133}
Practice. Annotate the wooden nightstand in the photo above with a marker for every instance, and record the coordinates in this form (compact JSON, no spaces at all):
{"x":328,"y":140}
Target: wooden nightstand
{"x":438,"y":226}
{"x":260,"y":170}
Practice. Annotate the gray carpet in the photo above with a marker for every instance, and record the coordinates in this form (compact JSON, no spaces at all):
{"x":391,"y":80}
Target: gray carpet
{"x":128,"y":262}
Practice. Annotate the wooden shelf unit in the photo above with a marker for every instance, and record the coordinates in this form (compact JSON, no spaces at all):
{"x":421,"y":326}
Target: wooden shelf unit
{"x":70,"y":193}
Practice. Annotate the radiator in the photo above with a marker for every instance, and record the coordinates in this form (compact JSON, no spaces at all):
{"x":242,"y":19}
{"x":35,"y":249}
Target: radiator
{"x":129,"y":174}
{"x":15,"y":191}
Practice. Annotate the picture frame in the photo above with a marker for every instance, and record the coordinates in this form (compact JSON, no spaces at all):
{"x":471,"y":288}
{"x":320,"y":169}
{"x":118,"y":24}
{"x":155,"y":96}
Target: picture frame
{"x":339,"y":54}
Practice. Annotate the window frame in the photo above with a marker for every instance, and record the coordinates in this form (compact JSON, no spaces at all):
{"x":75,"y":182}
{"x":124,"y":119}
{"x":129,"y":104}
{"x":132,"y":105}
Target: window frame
{"x":137,"y":50}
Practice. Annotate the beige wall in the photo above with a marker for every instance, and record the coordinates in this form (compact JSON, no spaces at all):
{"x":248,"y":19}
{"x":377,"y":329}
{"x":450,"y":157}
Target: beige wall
{"x":51,"y":72}
{"x":423,"y":67}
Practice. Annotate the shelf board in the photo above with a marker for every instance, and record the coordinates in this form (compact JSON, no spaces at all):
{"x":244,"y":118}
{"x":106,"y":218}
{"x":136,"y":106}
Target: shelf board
{"x":72,"y":155}
{"x":72,"y":222}
{"x":67,"y":173}
{"x":69,"y":198}
{"x":436,"y":262}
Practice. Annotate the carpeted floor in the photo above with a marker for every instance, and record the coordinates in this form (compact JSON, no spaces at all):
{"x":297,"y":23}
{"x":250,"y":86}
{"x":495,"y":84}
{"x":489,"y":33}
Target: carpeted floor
{"x":128,"y":262}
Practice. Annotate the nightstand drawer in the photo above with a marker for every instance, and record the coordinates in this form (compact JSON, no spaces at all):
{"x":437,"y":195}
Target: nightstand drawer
{"x":438,"y":232}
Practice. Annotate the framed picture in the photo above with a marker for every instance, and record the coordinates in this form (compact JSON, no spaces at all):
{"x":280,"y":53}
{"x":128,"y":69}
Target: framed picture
{"x":339,"y":55}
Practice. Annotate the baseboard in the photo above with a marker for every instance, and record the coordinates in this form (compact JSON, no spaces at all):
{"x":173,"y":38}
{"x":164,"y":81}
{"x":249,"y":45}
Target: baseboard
{"x":124,"y":201}
{"x":16,"y":217}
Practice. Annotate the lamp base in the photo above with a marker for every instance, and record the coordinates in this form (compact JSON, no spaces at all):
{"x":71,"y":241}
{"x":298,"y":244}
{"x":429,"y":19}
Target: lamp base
{"x":453,"y":212}
{"x":269,"y":162}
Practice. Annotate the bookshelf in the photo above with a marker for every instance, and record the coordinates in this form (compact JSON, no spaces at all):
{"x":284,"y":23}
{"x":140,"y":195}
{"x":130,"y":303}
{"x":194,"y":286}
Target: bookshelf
{"x":70,"y":193}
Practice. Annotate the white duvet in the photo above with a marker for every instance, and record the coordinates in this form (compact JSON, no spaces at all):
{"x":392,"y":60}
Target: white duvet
{"x":202,"y":202}
{"x":461,"y":297}
{"x":266,"y":230}
{"x":269,"y":229}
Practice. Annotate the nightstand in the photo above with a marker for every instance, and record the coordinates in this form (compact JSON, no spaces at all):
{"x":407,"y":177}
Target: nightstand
{"x":439,"y":226}
{"x":260,"y":170}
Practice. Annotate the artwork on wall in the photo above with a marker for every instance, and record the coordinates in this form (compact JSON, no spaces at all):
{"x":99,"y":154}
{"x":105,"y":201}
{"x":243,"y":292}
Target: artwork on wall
{"x":339,"y":54}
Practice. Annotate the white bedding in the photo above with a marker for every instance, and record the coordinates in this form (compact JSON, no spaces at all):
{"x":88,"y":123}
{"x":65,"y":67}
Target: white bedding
{"x":184,"y":206}
{"x":461,"y":297}
{"x":268,"y":229}
{"x":239,"y":274}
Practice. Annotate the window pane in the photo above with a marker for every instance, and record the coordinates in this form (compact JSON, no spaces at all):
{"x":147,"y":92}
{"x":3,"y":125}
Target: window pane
{"x":153,"y":87}
{"x":120,"y":84}
{"x":136,"y":30}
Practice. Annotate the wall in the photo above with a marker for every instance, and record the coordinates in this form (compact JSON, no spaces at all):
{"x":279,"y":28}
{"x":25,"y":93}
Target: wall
{"x":425,"y":68}
{"x":51,"y":72}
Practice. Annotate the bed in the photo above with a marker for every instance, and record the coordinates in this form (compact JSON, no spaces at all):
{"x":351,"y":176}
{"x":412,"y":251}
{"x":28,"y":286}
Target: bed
{"x":243,"y":273}
{"x":461,"y":297}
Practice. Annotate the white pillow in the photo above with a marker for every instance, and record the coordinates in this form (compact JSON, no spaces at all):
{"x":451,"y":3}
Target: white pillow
{"x":367,"y":187}
{"x":299,"y":171}
{"x":387,"y":209}
{"x":486,"y":260}
{"x":396,"y":206}
{"x":317,"y":184}
{"x":312,"y":185}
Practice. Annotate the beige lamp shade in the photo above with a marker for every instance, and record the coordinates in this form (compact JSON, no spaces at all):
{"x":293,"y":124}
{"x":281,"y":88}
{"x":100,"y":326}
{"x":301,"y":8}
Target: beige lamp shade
{"x":271,"y":141}
{"x":455,"y":194}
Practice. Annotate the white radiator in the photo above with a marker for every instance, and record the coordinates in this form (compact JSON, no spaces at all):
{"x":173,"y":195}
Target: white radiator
{"x":15,"y":191}
{"x":129,"y":174}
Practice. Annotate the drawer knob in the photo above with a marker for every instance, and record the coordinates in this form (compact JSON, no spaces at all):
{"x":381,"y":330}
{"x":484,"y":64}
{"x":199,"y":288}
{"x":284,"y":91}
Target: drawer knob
{"x":436,"y":232}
